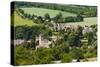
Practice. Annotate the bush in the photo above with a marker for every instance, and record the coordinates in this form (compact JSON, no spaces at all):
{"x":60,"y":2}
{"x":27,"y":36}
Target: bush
{"x":89,"y":55}
{"x":76,"y":53}
{"x":66,"y":58}
{"x":22,"y":56}
{"x":43,"y":56}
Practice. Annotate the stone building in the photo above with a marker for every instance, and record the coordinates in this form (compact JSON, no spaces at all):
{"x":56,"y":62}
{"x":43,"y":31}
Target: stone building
{"x":42,"y":42}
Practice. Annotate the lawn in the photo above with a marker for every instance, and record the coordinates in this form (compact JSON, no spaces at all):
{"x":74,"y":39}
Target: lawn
{"x":42,"y":11}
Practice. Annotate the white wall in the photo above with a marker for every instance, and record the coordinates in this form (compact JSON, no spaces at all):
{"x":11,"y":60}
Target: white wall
{"x":5,"y":32}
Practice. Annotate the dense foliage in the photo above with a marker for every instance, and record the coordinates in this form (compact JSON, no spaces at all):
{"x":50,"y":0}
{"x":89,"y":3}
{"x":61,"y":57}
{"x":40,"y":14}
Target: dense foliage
{"x":27,"y":32}
{"x":66,"y":49}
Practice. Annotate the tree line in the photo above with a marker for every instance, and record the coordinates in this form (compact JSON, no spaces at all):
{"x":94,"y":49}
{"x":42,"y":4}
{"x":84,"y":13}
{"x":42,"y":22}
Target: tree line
{"x":86,"y":11}
{"x":46,"y":18}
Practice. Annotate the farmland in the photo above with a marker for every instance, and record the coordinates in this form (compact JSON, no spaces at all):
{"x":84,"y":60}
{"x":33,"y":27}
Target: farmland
{"x":19,"y":21}
{"x":87,"y":21}
{"x":42,"y":11}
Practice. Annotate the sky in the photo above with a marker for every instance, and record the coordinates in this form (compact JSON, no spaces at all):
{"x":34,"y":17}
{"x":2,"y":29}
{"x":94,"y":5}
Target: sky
{"x":79,"y":2}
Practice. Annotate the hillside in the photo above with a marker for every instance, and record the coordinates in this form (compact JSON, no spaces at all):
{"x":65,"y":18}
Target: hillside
{"x":43,"y":11}
{"x":87,"y":21}
{"x":19,"y":21}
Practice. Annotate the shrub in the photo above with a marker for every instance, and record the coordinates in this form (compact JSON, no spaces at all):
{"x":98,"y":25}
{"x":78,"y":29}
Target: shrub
{"x":89,"y":55}
{"x":66,"y":58}
{"x":76,"y":53}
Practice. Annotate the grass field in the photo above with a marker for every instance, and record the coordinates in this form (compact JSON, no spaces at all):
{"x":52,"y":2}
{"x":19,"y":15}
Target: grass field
{"x":42,"y":11}
{"x":18,"y":20}
{"x":87,"y":21}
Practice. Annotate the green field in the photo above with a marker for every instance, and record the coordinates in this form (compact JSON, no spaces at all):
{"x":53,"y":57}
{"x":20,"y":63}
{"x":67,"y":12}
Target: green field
{"x":19,"y":21}
{"x":87,"y":21}
{"x":42,"y":11}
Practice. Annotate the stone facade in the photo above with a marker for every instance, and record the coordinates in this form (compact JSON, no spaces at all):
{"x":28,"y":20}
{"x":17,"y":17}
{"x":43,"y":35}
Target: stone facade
{"x":18,"y":41}
{"x":42,"y":42}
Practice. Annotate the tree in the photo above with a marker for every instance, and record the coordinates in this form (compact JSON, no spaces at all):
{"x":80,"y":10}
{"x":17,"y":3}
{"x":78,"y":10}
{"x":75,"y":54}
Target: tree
{"x":33,"y":16}
{"x":74,"y":39}
{"x":58,"y":18}
{"x":29,"y":16}
{"x":79,"y":31}
{"x":21,"y":11}
{"x":64,"y":47}
{"x":44,"y":56}
{"x":56,"y":53}
{"x":47,"y":16}
{"x":22,"y":55}
{"x":39,"y":20}
{"x":76,"y":53}
{"x":90,"y":37}
{"x":69,"y":19}
{"x":71,"y":39}
{"x":79,"y":18}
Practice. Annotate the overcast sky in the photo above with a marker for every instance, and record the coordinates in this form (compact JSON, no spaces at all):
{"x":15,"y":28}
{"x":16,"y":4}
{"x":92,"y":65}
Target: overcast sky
{"x":80,"y":2}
